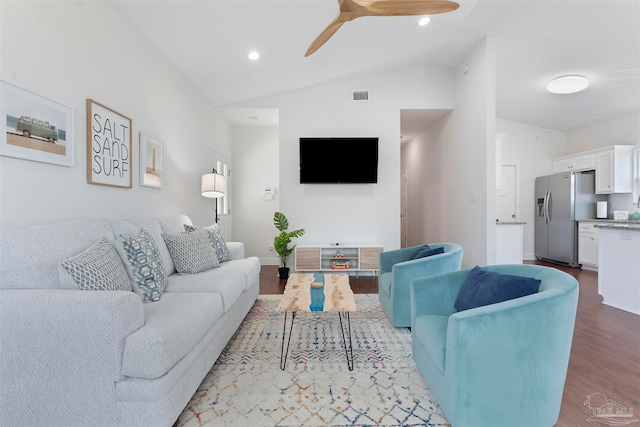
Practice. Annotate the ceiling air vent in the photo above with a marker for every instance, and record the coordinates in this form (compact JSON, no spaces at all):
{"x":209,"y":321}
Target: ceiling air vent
{"x":360,"y":95}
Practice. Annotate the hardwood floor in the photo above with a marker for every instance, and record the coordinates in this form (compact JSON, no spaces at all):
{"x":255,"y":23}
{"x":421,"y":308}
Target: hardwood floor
{"x":605,"y":353}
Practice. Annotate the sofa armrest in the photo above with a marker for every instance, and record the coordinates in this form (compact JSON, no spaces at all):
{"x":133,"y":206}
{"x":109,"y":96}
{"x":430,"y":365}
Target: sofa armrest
{"x":61,"y":350}
{"x":389,"y":258}
{"x":236,"y":249}
{"x":436,"y":294}
{"x":528,"y":337}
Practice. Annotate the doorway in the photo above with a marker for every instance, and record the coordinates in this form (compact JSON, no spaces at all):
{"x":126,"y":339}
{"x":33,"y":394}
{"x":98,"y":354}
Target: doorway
{"x":404,"y":180}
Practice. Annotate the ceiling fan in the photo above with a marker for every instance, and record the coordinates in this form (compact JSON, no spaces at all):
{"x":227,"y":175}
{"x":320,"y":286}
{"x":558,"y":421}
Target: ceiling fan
{"x":352,"y":9}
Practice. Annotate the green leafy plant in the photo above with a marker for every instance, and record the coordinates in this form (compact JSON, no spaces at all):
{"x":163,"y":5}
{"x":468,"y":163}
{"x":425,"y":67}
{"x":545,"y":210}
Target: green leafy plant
{"x":282,"y":240}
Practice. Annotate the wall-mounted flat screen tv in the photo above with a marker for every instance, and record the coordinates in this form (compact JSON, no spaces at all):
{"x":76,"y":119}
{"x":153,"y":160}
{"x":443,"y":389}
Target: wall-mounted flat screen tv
{"x":349,"y":160}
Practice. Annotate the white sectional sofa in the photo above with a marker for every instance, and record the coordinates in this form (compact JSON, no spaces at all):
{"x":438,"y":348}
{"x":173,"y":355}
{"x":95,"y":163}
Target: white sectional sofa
{"x":72,"y":357}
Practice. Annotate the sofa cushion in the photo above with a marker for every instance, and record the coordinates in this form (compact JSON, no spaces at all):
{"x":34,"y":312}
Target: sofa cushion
{"x":174,"y":224}
{"x":227,"y":280}
{"x":217,"y":241}
{"x":97,"y":268}
{"x":32,"y":254}
{"x":430,"y":331}
{"x":144,"y":265}
{"x":482,"y":287}
{"x":133,"y":226}
{"x":191,"y":252}
{"x":172,"y":327}
{"x":425,"y":251}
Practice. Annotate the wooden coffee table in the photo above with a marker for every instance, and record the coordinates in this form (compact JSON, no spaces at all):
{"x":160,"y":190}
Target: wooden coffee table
{"x":321,"y":293}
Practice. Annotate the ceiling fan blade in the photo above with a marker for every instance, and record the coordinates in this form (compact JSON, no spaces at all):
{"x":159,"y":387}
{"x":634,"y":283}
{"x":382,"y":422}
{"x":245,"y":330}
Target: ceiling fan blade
{"x":407,"y":7}
{"x":324,"y":35}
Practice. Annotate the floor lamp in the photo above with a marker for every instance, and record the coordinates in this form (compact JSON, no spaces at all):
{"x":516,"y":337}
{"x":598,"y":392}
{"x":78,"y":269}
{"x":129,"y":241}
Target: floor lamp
{"x":213,"y":186}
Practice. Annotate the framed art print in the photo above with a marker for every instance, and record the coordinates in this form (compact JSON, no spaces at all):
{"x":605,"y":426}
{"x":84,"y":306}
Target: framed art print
{"x":151,"y":170}
{"x":109,"y":154}
{"x":34,"y":127}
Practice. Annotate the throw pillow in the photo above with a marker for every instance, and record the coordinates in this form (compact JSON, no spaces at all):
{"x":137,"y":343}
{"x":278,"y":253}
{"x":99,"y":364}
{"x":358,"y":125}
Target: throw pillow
{"x":425,"y":251}
{"x":191,"y":252}
{"x":145,"y":265}
{"x":482,"y":287}
{"x":217,"y":241}
{"x":99,"y":268}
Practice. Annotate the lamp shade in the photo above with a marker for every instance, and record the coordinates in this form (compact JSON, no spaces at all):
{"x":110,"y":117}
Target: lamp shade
{"x":213,"y":185}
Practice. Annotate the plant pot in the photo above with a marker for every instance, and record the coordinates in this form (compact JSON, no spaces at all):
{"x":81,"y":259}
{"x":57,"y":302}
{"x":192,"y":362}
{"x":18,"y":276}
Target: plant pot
{"x":283,"y":272}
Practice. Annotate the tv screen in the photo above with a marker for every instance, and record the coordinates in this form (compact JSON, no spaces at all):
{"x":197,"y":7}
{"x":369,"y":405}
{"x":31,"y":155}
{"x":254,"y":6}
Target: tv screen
{"x":339,"y":160}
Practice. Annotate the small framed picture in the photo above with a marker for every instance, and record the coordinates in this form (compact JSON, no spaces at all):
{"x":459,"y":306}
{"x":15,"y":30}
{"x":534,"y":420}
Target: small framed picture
{"x":109,"y":154}
{"x":151,"y":168}
{"x":35,"y":128}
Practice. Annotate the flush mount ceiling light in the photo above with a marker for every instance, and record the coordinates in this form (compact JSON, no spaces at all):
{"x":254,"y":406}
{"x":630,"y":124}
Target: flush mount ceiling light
{"x":424,"y":21}
{"x":253,"y":55}
{"x":568,"y":84}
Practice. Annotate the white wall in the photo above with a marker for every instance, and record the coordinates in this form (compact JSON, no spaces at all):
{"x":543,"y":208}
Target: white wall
{"x":355,"y":213}
{"x":531,"y":148}
{"x":255,"y":166}
{"x":468,"y":159}
{"x":85,"y":50}
{"x":623,"y":130}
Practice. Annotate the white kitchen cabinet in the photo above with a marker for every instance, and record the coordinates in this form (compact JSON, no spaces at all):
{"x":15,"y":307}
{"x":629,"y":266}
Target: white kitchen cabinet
{"x":619,"y":269}
{"x":574,"y":163}
{"x":509,"y":242}
{"x":588,"y":245}
{"x":614,"y":170}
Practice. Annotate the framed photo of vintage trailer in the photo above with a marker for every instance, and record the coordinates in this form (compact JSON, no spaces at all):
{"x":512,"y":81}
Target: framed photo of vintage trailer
{"x":109,"y":154}
{"x":151,"y":167}
{"x":33,"y":127}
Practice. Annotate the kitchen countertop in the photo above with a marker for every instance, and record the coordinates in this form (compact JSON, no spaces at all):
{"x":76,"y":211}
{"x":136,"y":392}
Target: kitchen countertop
{"x":615,"y":224}
{"x":510,"y":223}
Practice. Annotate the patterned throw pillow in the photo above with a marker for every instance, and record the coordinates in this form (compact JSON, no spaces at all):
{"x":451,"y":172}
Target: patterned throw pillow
{"x":191,"y":252}
{"x":145,"y":265}
{"x":217,"y":241}
{"x":99,"y":268}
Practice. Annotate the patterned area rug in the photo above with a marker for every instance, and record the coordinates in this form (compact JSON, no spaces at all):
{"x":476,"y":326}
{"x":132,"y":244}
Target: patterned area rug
{"x":246,"y":387}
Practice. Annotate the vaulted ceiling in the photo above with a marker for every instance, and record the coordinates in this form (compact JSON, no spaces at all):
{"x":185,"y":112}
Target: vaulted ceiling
{"x":208,"y":41}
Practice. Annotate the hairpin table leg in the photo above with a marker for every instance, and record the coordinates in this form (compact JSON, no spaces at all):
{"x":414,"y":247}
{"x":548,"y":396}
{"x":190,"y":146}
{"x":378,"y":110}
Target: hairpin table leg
{"x":283,"y":354}
{"x":348,"y":350}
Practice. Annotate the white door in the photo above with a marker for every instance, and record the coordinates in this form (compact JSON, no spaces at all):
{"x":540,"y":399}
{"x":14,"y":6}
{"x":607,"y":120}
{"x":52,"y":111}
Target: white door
{"x":507,"y":196}
{"x":223,"y":205}
{"x":403,"y":209}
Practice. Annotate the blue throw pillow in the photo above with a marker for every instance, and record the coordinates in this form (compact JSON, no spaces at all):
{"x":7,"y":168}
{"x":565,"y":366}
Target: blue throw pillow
{"x":482,"y":287}
{"x":425,"y":250}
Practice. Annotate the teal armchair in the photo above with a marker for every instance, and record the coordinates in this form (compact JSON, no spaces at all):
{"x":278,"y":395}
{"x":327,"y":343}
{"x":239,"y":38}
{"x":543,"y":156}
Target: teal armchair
{"x":397,"y":269}
{"x":498,"y":365}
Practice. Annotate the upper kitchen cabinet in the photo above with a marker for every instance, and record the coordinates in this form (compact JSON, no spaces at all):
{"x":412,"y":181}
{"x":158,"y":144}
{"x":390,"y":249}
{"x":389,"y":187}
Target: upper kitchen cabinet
{"x":574,"y":163}
{"x":614,"y":170}
{"x":613,"y":166}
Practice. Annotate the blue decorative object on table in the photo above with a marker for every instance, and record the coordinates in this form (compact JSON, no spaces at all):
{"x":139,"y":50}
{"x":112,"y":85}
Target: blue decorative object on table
{"x":317,"y":294}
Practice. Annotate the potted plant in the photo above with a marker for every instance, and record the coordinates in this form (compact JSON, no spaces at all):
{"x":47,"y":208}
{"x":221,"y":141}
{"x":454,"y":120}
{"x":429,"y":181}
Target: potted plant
{"x":282,"y":240}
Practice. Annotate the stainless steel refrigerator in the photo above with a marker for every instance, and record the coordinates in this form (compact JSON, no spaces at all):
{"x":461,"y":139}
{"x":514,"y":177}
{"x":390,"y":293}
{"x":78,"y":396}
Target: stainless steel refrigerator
{"x":561,"y":199}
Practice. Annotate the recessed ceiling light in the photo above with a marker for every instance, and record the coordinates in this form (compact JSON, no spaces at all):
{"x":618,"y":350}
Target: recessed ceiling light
{"x":568,"y":84}
{"x":424,"y":21}
{"x":253,"y":55}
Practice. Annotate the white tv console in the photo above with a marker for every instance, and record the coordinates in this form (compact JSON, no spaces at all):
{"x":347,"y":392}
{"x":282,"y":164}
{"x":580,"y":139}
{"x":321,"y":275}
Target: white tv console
{"x":338,"y":258}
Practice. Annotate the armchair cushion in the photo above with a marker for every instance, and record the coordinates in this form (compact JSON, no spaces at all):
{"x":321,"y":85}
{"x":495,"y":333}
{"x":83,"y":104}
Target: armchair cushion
{"x":426,"y":251}
{"x":482,"y":287}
